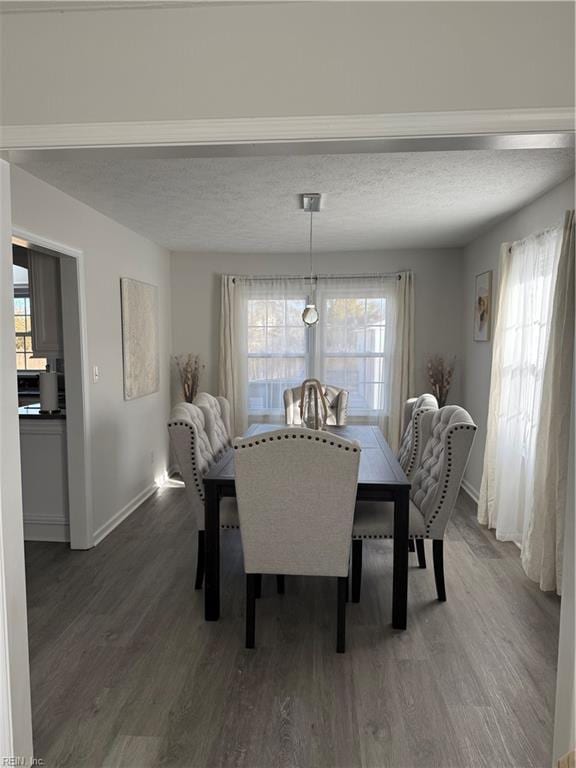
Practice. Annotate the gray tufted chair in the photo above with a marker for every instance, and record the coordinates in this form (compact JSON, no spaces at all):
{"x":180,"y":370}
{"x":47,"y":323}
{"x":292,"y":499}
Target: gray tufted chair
{"x":410,"y":442}
{"x":193,"y":452}
{"x":447,"y":436}
{"x":217,"y":415}
{"x":292,"y":520}
{"x":336,"y":401}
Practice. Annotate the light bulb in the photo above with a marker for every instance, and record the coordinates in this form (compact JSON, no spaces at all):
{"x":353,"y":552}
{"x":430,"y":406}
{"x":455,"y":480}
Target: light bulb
{"x":310,"y":315}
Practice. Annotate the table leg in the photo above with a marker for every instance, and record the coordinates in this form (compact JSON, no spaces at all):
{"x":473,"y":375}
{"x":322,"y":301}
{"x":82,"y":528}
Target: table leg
{"x":212,"y":552}
{"x":400,"y":575}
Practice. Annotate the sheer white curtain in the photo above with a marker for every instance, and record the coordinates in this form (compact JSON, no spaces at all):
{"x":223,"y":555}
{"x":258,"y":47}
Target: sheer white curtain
{"x":364,"y":343}
{"x":520,"y":365}
{"x":263,"y":344}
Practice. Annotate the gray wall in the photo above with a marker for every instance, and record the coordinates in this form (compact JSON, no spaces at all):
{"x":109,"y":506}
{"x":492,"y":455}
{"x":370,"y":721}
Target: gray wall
{"x":480,"y":255}
{"x":284,"y":59}
{"x":437,"y":274}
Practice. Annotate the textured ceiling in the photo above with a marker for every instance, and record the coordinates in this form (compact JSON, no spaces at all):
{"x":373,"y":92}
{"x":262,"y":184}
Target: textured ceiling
{"x":372,"y":202}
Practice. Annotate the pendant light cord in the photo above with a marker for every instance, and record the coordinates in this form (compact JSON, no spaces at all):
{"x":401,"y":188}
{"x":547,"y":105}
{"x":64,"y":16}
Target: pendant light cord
{"x":311,"y":220}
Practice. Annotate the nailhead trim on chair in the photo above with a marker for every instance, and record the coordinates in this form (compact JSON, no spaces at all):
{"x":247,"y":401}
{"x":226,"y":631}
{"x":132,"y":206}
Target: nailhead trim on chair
{"x":287,"y":437}
{"x":416,"y":440}
{"x":197,"y":483}
{"x":447,"y":478}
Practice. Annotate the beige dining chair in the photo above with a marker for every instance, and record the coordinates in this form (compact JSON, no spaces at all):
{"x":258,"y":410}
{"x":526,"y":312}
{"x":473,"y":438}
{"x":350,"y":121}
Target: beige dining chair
{"x":447,"y":435}
{"x":194,"y":455}
{"x":217,"y":416}
{"x":408,"y":452}
{"x":409,"y":444}
{"x":336,"y":402}
{"x":296,"y":491}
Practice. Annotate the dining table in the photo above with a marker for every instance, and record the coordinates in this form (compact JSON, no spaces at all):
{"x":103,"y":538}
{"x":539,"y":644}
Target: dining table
{"x":380,"y":478}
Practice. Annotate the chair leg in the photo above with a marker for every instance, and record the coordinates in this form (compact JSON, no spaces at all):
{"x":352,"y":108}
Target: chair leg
{"x":410,"y":545}
{"x":200,"y":561}
{"x":341,"y":615}
{"x":280,"y":584}
{"x":421,"y":552}
{"x":356,"y":569}
{"x":251,"y":580}
{"x":258,"y":587}
{"x":438,"y":555}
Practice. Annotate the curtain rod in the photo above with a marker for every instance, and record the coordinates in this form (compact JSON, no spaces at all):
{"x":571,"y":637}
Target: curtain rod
{"x":385,"y":275}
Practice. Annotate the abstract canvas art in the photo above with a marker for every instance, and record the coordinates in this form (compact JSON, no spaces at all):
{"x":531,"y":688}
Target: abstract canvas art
{"x":139,"y":338}
{"x":483,"y":306}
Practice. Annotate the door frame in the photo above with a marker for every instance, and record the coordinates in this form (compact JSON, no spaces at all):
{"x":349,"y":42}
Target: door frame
{"x":76,"y":366}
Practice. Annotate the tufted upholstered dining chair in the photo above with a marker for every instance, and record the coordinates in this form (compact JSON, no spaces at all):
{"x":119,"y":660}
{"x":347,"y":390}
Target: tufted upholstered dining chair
{"x":408,"y":451}
{"x":447,"y":435}
{"x":217,"y":415}
{"x":409,"y":444}
{"x":193,"y":451}
{"x":295,"y":521}
{"x":336,"y":401}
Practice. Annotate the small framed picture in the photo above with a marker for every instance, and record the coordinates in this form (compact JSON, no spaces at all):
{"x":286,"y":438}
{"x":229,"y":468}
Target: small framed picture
{"x":483,"y":306}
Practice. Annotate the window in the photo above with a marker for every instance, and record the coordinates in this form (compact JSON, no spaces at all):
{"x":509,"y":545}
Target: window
{"x":349,"y":347}
{"x":22,"y":325}
{"x":277,"y":351}
{"x":353,"y":349}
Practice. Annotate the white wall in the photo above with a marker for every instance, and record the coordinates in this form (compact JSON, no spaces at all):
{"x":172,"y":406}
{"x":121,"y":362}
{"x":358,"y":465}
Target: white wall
{"x":128,"y":440}
{"x":437,"y":275}
{"x":481,"y":255}
{"x":283,"y":59}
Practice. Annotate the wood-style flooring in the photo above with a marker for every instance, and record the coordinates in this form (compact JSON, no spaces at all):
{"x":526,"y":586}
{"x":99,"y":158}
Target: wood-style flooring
{"x":125,"y":672}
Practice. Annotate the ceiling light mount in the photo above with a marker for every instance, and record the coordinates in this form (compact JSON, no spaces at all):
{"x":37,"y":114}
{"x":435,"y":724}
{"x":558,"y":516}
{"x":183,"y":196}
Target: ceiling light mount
{"x":311,"y":202}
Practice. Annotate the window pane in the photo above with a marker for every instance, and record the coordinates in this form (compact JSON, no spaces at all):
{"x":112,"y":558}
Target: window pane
{"x":375,"y":311}
{"x":275,"y":343}
{"x":36,"y":363}
{"x":375,"y":338}
{"x":355,"y":313}
{"x":19,"y":306}
{"x":256,"y":312}
{"x":296,"y":339}
{"x":276,"y":312}
{"x":21,"y":361}
{"x":20,"y":323}
{"x":294,"y":309}
{"x":20,"y":344}
{"x":355,"y":332}
{"x":277,"y":349}
{"x":256,"y":339}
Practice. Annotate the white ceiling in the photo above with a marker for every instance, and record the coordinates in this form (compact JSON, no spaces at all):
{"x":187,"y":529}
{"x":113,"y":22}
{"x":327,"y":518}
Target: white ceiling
{"x":372,"y":201}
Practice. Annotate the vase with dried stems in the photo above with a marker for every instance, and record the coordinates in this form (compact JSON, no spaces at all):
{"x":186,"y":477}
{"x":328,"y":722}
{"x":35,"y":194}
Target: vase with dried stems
{"x":189,"y":369}
{"x":440,"y":373}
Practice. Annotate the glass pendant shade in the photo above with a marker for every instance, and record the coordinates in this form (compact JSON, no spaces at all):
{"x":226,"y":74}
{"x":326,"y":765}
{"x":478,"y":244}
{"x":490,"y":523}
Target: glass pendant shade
{"x":310,"y":315}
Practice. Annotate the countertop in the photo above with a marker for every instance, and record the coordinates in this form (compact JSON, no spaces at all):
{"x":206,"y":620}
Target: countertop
{"x":32,"y":411}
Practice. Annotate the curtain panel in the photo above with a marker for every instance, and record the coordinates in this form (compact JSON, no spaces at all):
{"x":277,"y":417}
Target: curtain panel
{"x":523,"y":489}
{"x":363,"y":342}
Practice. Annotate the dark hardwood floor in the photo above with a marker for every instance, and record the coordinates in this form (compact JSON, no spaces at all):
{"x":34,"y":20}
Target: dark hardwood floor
{"x":125,"y":672}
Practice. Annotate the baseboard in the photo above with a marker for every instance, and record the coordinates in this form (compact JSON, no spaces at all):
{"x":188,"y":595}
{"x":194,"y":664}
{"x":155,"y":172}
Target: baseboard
{"x":46,"y":531}
{"x":470,"y":490}
{"x":123,"y":513}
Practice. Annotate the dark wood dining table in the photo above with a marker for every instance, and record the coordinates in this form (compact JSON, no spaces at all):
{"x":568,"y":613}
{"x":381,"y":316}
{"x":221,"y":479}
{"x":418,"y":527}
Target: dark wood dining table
{"x":380,"y":478}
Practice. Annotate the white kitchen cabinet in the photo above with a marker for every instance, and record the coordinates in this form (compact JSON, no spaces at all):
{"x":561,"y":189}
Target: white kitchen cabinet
{"x":43,"y":457}
{"x":45,"y":305}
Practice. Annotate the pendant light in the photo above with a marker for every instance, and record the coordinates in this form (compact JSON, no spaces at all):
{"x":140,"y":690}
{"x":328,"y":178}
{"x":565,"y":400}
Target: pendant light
{"x":311,"y":204}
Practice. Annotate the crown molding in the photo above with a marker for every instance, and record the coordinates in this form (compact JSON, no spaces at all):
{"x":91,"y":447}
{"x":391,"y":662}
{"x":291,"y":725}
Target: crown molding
{"x":220,"y":131}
